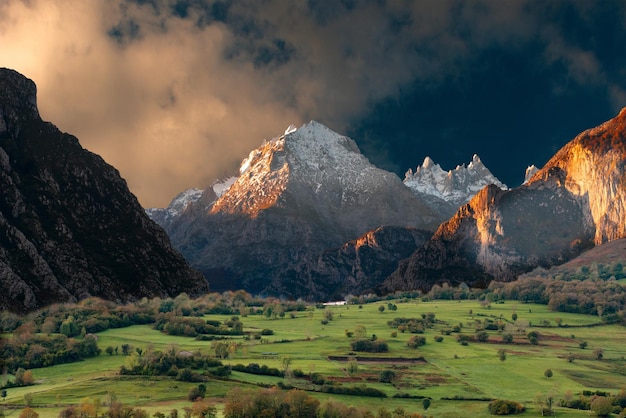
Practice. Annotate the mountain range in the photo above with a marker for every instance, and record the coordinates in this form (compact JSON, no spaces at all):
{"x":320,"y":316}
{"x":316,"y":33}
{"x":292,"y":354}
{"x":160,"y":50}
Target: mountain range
{"x":69,"y":226}
{"x":457,"y":226}
{"x":307,"y":216}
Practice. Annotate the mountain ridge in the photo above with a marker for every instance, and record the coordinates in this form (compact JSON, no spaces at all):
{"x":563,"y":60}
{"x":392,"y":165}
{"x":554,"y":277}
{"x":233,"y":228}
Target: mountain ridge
{"x":69,"y":226}
{"x":576,"y":201}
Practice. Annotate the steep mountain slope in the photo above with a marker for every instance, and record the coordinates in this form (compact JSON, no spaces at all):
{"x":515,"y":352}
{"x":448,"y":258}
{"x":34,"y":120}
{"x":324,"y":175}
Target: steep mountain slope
{"x":360,"y":266}
{"x":296,"y":196}
{"x":449,"y":190}
{"x":69,"y":227}
{"x":575,"y":201}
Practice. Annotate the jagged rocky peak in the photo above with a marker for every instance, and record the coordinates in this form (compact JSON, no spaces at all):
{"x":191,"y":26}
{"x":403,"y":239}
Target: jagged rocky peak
{"x":69,"y":226}
{"x":455,"y":186}
{"x":531,"y":170}
{"x":594,"y":167}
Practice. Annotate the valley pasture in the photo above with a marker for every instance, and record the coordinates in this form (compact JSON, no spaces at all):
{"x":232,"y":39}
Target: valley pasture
{"x":472,"y":353}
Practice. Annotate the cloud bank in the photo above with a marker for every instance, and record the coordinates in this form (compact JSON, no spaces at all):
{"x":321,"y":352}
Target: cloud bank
{"x":174,"y":93}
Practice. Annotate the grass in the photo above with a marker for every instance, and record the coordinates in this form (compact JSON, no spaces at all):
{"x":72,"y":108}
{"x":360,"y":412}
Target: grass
{"x":451,"y":370}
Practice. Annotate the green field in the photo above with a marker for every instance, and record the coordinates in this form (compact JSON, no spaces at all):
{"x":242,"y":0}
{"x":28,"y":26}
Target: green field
{"x":468,"y":373}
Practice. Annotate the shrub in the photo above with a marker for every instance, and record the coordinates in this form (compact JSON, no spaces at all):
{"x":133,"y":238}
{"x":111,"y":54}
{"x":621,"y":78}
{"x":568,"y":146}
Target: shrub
{"x":416,"y":341}
{"x":378,"y":346}
{"x":438,"y":338}
{"x":387,"y":376}
{"x":504,"y":407}
{"x":548,"y":373}
{"x":482,"y":336}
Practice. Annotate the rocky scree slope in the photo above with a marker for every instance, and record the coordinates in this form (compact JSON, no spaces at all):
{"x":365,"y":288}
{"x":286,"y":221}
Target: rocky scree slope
{"x":576,"y":200}
{"x":69,"y":226}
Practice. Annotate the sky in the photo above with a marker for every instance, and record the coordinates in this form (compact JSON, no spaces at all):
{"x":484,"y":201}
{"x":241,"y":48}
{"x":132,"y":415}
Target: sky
{"x":175,"y":93}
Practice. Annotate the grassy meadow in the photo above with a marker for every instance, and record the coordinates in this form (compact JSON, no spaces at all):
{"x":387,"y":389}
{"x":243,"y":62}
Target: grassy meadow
{"x":459,"y":379}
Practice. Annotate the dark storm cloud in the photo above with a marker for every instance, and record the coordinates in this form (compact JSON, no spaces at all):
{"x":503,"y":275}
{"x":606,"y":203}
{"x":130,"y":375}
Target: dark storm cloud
{"x":175,"y":92}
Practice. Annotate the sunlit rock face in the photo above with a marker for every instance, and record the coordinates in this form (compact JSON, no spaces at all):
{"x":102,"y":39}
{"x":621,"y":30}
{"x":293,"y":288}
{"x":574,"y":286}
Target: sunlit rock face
{"x":575,"y":201}
{"x":69,"y":227}
{"x":296,"y":196}
{"x":594,"y":167}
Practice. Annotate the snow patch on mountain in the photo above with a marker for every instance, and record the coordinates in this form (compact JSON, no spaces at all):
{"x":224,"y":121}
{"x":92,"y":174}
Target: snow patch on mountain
{"x":220,"y":187}
{"x":456,"y":186}
{"x":176,"y":207}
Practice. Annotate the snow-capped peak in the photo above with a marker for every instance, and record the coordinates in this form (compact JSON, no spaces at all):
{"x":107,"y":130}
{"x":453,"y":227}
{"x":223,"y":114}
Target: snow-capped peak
{"x":456,"y":186}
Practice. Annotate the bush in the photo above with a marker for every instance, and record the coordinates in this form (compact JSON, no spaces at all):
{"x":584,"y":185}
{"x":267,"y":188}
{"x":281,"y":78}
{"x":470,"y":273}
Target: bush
{"x":482,"y":336}
{"x":378,"y":346}
{"x":416,"y":341}
{"x":387,"y":376}
{"x":504,"y":407}
{"x":438,"y":338}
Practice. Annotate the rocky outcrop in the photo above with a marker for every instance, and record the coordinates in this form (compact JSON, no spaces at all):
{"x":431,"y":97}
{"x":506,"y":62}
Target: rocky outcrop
{"x":576,"y":200}
{"x":69,"y":227}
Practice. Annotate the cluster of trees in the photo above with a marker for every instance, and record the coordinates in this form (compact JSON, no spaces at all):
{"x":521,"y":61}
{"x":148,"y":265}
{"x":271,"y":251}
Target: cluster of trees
{"x":602,"y":403}
{"x":505,"y":407}
{"x":370,"y":346}
{"x":273,"y":402}
{"x":605,"y":298}
{"x":413,"y":325}
{"x":192,"y":327}
{"x":591,"y":290}
{"x":254,"y":368}
{"x":173,"y":363}
{"x":29,"y":351}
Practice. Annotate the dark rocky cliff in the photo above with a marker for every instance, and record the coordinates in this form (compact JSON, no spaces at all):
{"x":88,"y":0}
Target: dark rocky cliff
{"x":69,"y":226}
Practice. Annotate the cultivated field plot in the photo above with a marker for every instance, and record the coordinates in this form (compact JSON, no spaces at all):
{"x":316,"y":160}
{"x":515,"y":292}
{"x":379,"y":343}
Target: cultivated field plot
{"x":470,"y":353}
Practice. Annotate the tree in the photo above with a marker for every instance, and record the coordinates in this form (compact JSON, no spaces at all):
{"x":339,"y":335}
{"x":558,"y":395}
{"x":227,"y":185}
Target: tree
{"x":387,"y":376}
{"x":426,"y":403}
{"x":482,"y":336}
{"x":381,"y":308}
{"x":507,"y":338}
{"x":109,"y":350}
{"x":360,"y":331}
{"x":514,"y":317}
{"x":548,"y":373}
{"x":28,"y":412}
{"x":602,"y":406}
{"x":416,"y":341}
{"x":502,"y":354}
{"x":353,"y":366}
{"x":598,"y":353}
